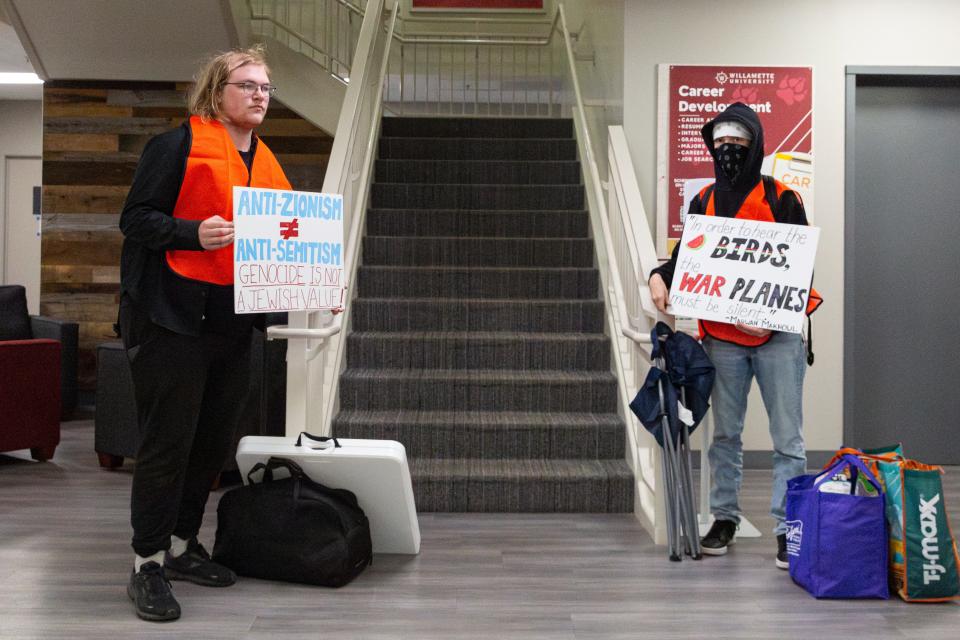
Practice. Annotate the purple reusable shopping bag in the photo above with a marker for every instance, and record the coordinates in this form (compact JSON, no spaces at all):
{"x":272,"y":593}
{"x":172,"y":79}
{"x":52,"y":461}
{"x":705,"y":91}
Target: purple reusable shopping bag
{"x":837,"y":543}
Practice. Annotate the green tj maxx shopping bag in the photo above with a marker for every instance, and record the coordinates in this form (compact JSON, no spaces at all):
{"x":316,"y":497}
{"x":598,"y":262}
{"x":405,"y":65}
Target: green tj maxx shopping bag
{"x":923,"y":554}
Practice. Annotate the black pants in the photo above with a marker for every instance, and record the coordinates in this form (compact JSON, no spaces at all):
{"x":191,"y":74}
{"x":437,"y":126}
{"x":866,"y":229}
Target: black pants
{"x":190,"y":394}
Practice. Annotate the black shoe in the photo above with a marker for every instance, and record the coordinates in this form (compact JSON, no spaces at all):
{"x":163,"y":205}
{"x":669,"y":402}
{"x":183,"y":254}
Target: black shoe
{"x":783,"y":561}
{"x":721,"y":535}
{"x":151,"y":594}
{"x":194,"y":565}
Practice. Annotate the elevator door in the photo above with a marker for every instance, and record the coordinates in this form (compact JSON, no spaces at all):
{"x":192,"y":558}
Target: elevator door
{"x":902,"y":303}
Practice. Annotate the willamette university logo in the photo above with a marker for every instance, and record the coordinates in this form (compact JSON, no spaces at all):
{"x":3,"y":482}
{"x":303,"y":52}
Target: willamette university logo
{"x":745,"y":77}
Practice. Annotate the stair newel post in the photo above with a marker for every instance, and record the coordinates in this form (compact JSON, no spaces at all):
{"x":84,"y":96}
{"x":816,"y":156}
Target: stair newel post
{"x":297,"y":378}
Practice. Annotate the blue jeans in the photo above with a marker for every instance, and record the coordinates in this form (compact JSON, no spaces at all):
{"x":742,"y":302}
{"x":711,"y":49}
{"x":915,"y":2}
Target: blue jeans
{"x":779,"y":366}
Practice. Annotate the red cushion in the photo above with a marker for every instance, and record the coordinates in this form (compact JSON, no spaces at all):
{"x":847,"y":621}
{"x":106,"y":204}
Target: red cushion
{"x":29,"y":394}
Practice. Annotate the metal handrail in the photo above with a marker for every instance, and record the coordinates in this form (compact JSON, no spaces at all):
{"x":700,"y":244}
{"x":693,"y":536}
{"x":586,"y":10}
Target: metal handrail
{"x":649,"y":506}
{"x":466,"y":39}
{"x":627,"y":327}
{"x":302,"y":38}
{"x":343,"y":156}
{"x":334,"y":182}
{"x":510,"y":79}
{"x":353,"y":245}
{"x":299,"y":36}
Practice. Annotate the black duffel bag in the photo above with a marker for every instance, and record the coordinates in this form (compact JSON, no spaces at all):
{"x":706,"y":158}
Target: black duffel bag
{"x":292,"y":529}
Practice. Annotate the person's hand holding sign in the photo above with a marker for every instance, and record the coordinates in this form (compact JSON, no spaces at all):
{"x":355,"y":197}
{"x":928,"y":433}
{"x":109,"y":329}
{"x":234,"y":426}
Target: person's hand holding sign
{"x":339,"y":309}
{"x":753,"y":331}
{"x":216,"y":233}
{"x":659,"y":292}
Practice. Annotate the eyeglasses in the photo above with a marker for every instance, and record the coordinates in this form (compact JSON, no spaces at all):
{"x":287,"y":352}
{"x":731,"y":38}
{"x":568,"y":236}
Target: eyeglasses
{"x":250,"y":88}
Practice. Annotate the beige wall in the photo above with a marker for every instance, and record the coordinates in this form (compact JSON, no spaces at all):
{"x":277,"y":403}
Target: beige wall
{"x":21,"y":135}
{"x":827,"y":35}
{"x":599,"y":26}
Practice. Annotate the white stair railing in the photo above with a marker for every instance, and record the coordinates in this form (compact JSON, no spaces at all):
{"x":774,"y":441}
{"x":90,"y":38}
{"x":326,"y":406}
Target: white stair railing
{"x":315,"y":349}
{"x":630,"y":310}
{"x":468,"y":78}
{"x":634,"y":256}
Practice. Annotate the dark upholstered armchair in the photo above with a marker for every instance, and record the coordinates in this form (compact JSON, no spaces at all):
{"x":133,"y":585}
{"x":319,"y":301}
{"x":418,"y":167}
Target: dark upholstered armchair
{"x":17,"y":324}
{"x":116,"y":430}
{"x":30,"y":378}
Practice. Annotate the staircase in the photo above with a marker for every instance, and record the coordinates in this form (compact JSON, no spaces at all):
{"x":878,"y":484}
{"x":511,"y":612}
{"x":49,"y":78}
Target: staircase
{"x":477,"y":335}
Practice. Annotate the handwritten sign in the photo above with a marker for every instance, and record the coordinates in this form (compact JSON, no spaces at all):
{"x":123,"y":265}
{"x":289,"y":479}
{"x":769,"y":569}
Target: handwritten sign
{"x":732,"y":270}
{"x":288,"y":250}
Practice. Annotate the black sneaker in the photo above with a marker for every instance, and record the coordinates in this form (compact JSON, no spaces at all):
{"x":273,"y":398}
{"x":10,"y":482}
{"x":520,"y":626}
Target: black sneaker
{"x":151,"y":594}
{"x":721,"y":535}
{"x":194,"y":565}
{"x":783,"y":561}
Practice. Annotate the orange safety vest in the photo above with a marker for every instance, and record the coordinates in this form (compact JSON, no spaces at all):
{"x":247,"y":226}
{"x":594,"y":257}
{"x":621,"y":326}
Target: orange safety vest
{"x":214,"y":167}
{"x":755,"y":207}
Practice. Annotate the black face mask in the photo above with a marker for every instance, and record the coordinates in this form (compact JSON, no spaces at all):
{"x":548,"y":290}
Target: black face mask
{"x":731,"y":157}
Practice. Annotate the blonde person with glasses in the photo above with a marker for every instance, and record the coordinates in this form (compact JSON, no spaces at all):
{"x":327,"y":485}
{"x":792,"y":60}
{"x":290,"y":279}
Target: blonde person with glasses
{"x":189,"y":352}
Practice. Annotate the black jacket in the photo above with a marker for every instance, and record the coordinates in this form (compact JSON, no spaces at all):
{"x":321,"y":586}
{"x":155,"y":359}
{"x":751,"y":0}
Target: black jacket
{"x":176,"y":303}
{"x":729,"y":196}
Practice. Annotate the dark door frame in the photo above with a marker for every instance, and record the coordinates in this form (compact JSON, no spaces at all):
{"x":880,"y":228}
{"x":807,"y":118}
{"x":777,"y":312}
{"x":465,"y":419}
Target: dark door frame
{"x":868,"y":76}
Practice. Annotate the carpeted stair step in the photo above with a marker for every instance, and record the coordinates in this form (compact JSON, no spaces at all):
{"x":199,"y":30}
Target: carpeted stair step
{"x":537,"y":149}
{"x":477,"y":336}
{"x":476,"y":314}
{"x":478,"y":390}
{"x":477,"y":172}
{"x":490,"y":434}
{"x":476,"y":196}
{"x":478,"y":350}
{"x":476,"y":282}
{"x":478,"y":127}
{"x":522,"y":486}
{"x":478,"y":252}
{"x":476,"y":223}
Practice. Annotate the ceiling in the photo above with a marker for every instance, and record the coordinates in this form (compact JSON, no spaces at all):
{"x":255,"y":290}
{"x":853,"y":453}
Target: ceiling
{"x":120,"y":40}
{"x":157,"y":40}
{"x":14,"y":59}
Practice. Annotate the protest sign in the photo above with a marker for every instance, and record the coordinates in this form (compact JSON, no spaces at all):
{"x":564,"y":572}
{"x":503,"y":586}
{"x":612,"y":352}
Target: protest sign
{"x":733,"y":270}
{"x":288,"y":250}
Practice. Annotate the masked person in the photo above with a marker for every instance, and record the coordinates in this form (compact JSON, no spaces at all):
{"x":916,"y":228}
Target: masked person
{"x":739,"y":352}
{"x":189,"y":353}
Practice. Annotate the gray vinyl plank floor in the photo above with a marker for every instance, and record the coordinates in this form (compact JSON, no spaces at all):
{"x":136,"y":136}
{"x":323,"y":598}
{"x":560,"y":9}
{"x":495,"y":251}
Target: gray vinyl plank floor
{"x":65,"y":558}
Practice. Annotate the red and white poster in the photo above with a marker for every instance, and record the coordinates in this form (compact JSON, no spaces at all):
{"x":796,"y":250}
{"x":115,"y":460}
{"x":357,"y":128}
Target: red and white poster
{"x":691,"y":95}
{"x":477,"y":5}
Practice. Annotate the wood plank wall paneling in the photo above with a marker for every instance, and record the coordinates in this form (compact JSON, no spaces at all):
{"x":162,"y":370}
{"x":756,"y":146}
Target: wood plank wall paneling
{"x":93,"y":135}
